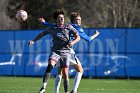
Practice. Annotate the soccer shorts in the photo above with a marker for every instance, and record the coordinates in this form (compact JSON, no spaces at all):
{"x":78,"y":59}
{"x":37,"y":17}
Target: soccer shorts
{"x":73,"y":59}
{"x":63,"y":58}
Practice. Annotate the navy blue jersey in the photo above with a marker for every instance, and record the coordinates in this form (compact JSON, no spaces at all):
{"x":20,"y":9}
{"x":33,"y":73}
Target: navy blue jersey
{"x":61,"y":36}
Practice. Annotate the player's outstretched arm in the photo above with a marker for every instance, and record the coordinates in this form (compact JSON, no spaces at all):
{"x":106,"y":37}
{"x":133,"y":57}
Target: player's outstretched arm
{"x":86,"y":37}
{"x":31,"y":42}
{"x":43,"y":22}
{"x":95,"y":35}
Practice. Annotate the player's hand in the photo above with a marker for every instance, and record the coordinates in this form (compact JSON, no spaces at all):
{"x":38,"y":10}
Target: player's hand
{"x":71,"y":44}
{"x":97,"y":32}
{"x":41,"y":20}
{"x":30,"y":43}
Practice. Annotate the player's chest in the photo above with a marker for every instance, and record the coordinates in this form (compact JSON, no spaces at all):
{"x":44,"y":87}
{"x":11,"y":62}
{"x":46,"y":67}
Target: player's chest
{"x":60,"y":33}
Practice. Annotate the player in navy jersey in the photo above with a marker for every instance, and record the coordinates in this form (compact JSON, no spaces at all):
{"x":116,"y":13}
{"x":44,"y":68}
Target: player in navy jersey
{"x":61,"y":48}
{"x":74,"y":61}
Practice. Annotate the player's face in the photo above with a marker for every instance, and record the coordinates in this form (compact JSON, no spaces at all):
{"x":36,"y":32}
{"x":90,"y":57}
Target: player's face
{"x":78,"y":20}
{"x":60,"y":19}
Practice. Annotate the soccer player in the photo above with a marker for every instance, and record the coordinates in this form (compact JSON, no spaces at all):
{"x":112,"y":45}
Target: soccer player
{"x":76,"y":23}
{"x":61,"y":48}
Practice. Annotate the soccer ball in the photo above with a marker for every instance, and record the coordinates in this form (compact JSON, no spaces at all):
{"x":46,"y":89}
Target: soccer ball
{"x":21,"y":15}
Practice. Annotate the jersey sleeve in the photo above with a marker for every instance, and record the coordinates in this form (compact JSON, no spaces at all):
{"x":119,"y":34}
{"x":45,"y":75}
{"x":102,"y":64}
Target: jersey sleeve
{"x":47,"y":24}
{"x":82,"y":33}
{"x":85,"y":36}
{"x":47,"y":31}
{"x":73,"y":30}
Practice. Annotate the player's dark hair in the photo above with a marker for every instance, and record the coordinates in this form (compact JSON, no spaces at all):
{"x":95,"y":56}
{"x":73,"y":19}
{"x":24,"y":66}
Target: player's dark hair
{"x":73,"y":15}
{"x":56,"y":13}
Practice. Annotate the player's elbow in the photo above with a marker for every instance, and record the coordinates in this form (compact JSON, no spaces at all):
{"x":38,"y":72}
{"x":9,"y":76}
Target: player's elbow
{"x":89,"y":40}
{"x":78,"y":37}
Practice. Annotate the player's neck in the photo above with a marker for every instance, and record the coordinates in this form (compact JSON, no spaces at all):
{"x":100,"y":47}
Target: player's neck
{"x":60,"y":25}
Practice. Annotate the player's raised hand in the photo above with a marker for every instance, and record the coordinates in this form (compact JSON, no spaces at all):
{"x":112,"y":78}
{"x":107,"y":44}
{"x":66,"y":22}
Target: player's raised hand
{"x":71,"y":44}
{"x":95,"y":35}
{"x":97,"y":32}
{"x":30,"y":43}
{"x":41,"y":20}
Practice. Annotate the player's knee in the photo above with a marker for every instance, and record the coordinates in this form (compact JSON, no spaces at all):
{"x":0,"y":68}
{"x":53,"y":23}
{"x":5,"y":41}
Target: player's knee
{"x":65,"y":74}
{"x":60,"y":74}
{"x":66,"y":77}
{"x":79,"y":68}
{"x":81,"y":71}
{"x":49,"y":68}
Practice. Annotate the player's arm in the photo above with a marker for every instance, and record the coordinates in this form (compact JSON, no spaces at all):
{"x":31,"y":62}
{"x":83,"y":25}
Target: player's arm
{"x":77,"y":38}
{"x":36,"y":38}
{"x":86,"y":37}
{"x":75,"y":33}
{"x":43,"y":22}
{"x":95,"y":35}
{"x":81,"y":32}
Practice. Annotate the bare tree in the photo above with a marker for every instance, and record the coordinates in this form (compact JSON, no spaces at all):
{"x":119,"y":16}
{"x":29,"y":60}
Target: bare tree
{"x":123,"y":12}
{"x":6,"y":23}
{"x":130,"y":11}
{"x":109,"y":13}
{"x":95,"y":13}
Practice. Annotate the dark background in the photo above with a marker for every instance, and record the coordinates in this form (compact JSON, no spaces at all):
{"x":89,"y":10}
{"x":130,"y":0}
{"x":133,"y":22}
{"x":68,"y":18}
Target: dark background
{"x":95,"y":13}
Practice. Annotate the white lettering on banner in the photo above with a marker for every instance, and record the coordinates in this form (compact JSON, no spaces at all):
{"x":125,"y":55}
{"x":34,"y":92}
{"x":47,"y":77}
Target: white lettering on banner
{"x":34,"y":50}
{"x":112,"y":45}
{"x":12,"y":60}
{"x":98,"y":43}
{"x":109,"y":46}
{"x":112,"y":49}
{"x":17,"y":46}
{"x":39,"y":63}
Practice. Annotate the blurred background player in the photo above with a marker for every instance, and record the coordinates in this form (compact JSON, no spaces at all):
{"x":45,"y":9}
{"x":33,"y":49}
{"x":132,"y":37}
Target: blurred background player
{"x":60,"y":50}
{"x":75,"y":19}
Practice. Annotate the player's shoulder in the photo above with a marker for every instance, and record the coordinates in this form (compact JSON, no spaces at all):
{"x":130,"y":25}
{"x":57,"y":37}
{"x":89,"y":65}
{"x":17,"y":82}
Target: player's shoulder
{"x":69,"y":26}
{"x":76,"y":25}
{"x":52,"y":27}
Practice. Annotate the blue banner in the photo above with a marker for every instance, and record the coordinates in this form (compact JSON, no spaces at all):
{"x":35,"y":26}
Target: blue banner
{"x":114,"y":53}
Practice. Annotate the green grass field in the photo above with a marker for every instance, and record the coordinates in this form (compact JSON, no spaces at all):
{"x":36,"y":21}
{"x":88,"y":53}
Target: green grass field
{"x":32,"y":85}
